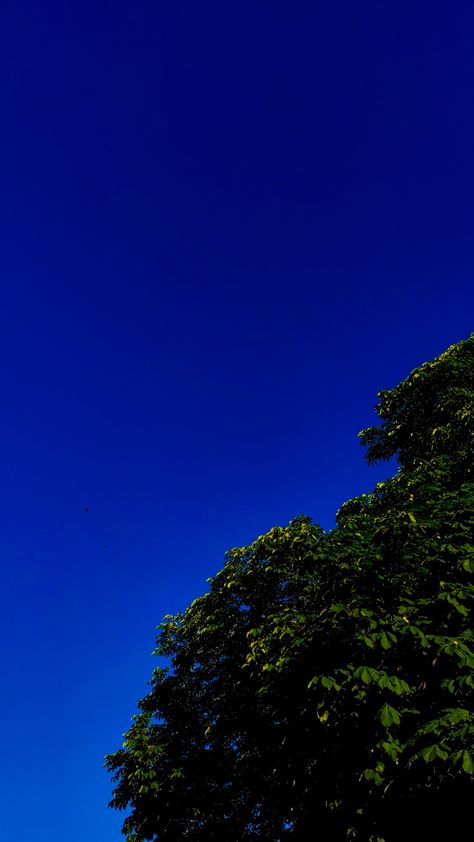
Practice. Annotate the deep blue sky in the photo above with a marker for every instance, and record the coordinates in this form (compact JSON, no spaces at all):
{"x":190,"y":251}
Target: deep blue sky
{"x":224,"y":227}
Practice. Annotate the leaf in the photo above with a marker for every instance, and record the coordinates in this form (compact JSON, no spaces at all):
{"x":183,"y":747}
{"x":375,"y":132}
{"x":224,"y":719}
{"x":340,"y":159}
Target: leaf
{"x":430,"y":753}
{"x":389,"y":716}
{"x":364,"y":674}
{"x":373,"y":775}
{"x":468,"y":762}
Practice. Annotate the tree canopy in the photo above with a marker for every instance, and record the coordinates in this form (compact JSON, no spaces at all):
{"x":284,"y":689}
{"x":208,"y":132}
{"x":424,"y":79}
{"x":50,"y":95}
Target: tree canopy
{"x":323,"y":686}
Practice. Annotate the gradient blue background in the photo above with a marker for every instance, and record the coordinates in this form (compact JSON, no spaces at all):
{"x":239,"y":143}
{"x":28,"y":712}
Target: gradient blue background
{"x":224,"y":227}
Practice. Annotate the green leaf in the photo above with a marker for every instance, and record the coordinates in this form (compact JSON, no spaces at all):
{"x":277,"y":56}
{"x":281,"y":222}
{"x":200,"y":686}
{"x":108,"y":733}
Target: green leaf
{"x":389,"y":716}
{"x":364,"y":674}
{"x":468,"y":762}
{"x":432,"y":752}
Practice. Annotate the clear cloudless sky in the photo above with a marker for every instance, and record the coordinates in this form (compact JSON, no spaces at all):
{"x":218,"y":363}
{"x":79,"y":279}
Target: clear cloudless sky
{"x":224,"y":227}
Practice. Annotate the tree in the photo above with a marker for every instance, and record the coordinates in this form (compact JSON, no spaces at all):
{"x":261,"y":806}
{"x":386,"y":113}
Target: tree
{"x":325,"y":681}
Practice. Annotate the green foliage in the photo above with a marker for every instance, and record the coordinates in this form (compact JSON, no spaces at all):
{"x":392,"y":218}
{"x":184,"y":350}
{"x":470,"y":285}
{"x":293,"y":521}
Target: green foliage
{"x":326,"y":680}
